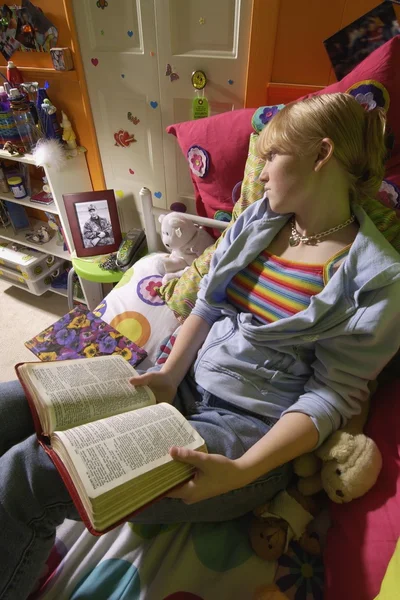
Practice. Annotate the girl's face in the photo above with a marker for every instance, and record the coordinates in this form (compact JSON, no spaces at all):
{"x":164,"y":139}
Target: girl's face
{"x":290,"y":181}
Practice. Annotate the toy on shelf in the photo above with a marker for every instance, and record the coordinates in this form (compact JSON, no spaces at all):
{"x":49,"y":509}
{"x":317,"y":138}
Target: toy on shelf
{"x":44,"y":196}
{"x":184,"y":240}
{"x":62,"y":59}
{"x":40,"y":236}
{"x":14,"y":149}
{"x":47,"y":116}
{"x":50,"y":153}
{"x":69,"y":137}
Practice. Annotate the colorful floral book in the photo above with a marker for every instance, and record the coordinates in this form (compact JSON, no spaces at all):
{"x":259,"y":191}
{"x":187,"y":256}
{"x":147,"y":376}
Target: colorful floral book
{"x":82,"y":334}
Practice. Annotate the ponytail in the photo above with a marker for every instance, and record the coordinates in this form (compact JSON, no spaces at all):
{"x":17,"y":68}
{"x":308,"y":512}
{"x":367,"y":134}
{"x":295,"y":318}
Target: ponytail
{"x":369,"y":171}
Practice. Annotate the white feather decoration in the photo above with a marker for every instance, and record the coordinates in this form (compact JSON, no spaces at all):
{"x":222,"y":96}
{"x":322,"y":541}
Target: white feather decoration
{"x":50,"y":153}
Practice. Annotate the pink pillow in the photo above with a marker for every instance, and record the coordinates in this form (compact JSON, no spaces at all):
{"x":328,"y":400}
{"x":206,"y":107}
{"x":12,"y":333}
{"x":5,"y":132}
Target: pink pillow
{"x":223,"y":142}
{"x":376,"y":80}
{"x":364,"y":532}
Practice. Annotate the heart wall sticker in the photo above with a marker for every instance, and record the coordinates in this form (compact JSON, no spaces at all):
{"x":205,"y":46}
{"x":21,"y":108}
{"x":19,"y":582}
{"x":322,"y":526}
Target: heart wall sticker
{"x":131,"y":171}
{"x":158,"y":194}
{"x":153,"y":104}
{"x":95,"y":61}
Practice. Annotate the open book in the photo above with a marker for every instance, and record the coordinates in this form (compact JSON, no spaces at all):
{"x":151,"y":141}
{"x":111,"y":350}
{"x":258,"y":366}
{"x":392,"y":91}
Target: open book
{"x":109,"y":440}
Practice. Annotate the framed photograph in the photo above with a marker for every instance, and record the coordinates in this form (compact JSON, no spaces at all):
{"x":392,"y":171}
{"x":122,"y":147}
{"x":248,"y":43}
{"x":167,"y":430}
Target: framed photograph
{"x":94,"y":223}
{"x":349,"y":46}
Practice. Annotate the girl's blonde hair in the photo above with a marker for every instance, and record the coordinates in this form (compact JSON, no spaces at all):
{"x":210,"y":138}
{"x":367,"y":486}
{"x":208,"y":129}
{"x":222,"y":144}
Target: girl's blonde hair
{"x":358,"y":136}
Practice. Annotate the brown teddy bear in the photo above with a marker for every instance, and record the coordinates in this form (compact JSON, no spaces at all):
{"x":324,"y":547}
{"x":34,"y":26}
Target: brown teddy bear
{"x":284,"y":518}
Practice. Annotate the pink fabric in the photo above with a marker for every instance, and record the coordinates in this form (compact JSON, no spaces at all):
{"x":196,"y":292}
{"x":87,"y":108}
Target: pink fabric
{"x":226,"y":139}
{"x":382,"y":65}
{"x":364,"y":532}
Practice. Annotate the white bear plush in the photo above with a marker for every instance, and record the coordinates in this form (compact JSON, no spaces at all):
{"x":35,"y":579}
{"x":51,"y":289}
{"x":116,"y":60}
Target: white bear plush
{"x":184,"y":240}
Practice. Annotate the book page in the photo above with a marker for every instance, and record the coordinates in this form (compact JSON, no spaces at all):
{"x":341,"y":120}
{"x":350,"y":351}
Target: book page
{"x":112,"y":451}
{"x":83,"y":390}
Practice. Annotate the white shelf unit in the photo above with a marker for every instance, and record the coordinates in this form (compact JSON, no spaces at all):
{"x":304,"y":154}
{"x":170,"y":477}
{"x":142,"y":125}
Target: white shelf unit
{"x":73,"y":177}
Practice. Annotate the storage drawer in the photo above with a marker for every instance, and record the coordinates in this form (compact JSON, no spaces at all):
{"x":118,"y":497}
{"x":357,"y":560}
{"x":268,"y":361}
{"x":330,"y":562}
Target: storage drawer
{"x":39,"y":285}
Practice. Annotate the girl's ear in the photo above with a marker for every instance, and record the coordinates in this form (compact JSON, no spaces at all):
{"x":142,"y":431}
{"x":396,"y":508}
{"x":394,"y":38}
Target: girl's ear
{"x":324,"y":153}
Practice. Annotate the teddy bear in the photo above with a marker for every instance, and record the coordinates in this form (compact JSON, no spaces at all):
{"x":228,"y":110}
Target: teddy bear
{"x":285,"y":517}
{"x":344,"y":467}
{"x":185,"y":240}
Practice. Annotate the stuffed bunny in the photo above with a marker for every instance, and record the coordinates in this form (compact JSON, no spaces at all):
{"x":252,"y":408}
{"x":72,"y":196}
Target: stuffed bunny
{"x":184,"y":240}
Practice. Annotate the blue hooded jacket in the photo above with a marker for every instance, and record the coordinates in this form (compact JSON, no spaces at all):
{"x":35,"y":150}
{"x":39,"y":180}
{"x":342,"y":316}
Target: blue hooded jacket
{"x":318,"y":361}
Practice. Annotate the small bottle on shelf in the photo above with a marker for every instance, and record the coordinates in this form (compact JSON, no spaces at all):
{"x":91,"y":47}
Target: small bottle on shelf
{"x":14,"y":75}
{"x":4,"y":189}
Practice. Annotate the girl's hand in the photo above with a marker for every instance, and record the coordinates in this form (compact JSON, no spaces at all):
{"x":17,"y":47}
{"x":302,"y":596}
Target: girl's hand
{"x":162,"y":385}
{"x":215,"y":475}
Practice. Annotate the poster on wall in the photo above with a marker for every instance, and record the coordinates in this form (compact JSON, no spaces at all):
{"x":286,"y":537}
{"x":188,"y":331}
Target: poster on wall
{"x":349,"y":46}
{"x":25,"y":28}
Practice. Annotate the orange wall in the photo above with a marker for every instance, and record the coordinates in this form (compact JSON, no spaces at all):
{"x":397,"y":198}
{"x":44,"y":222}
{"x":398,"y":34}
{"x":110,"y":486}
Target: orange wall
{"x":286,"y":48}
{"x":67,"y":89}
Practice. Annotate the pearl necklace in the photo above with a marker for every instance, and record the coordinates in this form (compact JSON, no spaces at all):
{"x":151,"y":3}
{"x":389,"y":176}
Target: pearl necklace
{"x":296,"y":239}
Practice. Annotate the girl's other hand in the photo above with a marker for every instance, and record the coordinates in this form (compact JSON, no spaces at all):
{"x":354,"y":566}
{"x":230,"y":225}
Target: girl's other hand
{"x":161,"y":384}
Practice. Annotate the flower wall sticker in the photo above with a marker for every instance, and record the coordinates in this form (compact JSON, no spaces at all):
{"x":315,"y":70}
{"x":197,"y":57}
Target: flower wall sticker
{"x":123,"y":138}
{"x":199,"y":161}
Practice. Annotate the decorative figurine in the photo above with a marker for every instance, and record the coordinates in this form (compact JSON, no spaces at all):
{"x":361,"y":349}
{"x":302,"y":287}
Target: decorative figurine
{"x":48,"y":107}
{"x":69,"y":136}
{"x":14,"y":149}
{"x":40,"y":236}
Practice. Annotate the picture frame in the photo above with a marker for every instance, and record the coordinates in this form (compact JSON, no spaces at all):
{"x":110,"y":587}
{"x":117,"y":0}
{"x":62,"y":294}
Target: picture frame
{"x":94,"y":223}
{"x":349,"y":46}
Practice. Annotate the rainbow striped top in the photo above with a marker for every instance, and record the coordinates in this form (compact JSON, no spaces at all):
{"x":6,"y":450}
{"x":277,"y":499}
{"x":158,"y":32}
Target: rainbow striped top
{"x":272,"y":288}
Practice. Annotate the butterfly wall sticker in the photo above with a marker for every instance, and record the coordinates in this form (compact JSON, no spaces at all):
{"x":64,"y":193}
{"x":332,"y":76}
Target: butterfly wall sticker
{"x":170,"y":73}
{"x":133,"y":119}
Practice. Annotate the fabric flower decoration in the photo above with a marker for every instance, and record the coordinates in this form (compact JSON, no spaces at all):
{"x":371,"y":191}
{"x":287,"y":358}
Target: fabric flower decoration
{"x":370,"y":94}
{"x":146,"y":290}
{"x":199,"y":161}
{"x":389,"y":194}
{"x":263,"y":115}
{"x":366,"y":100}
{"x":268,"y":113}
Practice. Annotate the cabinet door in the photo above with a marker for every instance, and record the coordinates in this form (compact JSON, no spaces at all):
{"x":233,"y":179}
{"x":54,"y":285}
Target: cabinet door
{"x":117,"y":41}
{"x":126,"y":46}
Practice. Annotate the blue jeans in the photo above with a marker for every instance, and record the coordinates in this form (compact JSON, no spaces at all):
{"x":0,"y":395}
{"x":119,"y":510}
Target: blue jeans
{"x":34,"y":500}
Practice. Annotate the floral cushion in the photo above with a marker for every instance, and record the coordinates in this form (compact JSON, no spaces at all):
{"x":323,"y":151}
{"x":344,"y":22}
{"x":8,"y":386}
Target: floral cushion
{"x":134,"y":308}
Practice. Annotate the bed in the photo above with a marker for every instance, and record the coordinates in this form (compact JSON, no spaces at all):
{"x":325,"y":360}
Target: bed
{"x":185,"y":562}
{"x":216,"y":561}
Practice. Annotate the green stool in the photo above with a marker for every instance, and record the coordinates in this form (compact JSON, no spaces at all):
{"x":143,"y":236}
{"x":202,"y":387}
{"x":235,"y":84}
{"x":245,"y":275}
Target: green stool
{"x":89,"y":269}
